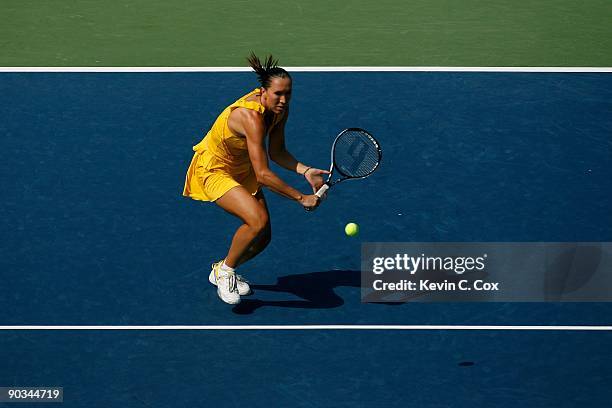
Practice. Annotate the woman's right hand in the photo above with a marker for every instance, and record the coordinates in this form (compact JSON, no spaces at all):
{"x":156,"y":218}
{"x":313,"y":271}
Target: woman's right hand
{"x":310,"y":201}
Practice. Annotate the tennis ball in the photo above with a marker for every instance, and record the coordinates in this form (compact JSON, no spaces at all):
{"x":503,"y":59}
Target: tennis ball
{"x":351,"y":229}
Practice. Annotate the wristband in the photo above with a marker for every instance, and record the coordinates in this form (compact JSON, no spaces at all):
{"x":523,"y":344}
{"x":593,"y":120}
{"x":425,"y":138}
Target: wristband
{"x":306,"y":171}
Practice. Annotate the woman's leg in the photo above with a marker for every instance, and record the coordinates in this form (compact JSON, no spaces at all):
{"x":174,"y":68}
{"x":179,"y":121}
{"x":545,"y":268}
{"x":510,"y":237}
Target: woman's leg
{"x":253,"y":236}
{"x":263,"y":238}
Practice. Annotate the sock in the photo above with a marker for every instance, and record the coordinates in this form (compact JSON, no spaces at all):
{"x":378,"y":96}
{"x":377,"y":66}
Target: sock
{"x":226,"y":269}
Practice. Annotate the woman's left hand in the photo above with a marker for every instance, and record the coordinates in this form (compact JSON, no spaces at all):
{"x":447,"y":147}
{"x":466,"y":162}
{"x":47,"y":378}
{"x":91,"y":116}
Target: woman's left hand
{"x":315,"y":178}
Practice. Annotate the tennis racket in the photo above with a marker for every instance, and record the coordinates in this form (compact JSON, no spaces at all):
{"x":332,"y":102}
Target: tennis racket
{"x":355,"y":154}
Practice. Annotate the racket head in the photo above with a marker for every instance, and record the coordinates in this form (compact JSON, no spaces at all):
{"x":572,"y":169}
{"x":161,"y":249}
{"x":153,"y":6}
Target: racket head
{"x":355,"y":153}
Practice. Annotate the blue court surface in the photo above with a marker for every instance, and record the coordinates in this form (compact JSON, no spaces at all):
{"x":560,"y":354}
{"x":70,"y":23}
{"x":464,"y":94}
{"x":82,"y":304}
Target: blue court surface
{"x":96,"y":232}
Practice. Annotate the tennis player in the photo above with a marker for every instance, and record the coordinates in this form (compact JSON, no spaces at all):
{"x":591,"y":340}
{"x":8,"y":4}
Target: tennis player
{"x":230,"y":167}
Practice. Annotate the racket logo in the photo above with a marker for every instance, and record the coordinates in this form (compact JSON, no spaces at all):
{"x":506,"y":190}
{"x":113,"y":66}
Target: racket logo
{"x":357,"y":150}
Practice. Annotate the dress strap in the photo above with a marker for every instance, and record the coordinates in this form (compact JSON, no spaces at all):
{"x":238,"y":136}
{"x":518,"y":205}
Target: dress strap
{"x":253,"y":105}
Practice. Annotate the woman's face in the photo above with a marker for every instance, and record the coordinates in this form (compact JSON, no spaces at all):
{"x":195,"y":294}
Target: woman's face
{"x":276,"y":97}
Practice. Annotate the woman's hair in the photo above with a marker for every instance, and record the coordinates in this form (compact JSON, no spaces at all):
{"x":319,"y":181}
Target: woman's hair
{"x":268,"y":70}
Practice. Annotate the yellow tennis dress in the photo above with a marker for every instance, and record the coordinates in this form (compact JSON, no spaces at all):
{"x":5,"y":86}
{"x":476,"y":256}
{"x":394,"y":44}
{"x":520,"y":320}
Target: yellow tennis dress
{"x":221,"y":160}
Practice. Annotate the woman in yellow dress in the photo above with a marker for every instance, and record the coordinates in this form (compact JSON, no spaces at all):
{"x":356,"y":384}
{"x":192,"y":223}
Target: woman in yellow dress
{"x":230,"y":165}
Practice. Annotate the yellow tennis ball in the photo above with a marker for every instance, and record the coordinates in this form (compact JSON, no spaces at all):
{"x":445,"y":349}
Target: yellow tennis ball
{"x":351,"y":229}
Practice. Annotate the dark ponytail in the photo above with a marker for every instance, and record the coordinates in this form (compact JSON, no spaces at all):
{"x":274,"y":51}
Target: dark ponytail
{"x":268,"y":70}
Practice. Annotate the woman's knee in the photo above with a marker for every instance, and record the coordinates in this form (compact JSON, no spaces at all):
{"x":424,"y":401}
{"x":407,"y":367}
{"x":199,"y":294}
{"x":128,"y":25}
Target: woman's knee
{"x":259,"y":222}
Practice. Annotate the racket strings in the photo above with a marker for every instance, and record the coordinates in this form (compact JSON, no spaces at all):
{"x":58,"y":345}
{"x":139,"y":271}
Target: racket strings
{"x":356,"y":154}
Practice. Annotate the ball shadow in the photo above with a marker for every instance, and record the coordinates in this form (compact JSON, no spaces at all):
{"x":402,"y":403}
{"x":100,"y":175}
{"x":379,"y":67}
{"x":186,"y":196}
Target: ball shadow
{"x":570,"y":270}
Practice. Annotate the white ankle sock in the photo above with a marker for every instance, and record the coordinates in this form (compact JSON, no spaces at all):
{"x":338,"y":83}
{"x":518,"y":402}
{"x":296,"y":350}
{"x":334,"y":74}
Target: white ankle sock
{"x":227,"y":269}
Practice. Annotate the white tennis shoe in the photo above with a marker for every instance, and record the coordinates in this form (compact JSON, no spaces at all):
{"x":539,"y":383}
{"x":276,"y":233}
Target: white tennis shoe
{"x":227,"y":288}
{"x":243,"y":286}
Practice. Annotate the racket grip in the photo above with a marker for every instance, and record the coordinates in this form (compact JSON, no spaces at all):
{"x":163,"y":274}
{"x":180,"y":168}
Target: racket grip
{"x":322,"y":190}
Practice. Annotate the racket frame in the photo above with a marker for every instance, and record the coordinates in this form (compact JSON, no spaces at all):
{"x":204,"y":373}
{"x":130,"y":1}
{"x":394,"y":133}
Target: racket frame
{"x":328,"y":183}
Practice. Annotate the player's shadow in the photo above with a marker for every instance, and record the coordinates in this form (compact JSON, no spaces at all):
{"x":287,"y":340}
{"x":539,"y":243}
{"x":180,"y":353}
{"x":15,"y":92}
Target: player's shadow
{"x":316,"y":289}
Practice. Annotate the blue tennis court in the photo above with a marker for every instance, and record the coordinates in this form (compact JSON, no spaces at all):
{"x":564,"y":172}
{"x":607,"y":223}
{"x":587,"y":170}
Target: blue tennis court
{"x":96,"y":232}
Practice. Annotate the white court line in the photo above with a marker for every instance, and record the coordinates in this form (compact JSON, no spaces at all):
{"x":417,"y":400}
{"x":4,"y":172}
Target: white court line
{"x":314,"y":327}
{"x":308,"y":69}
